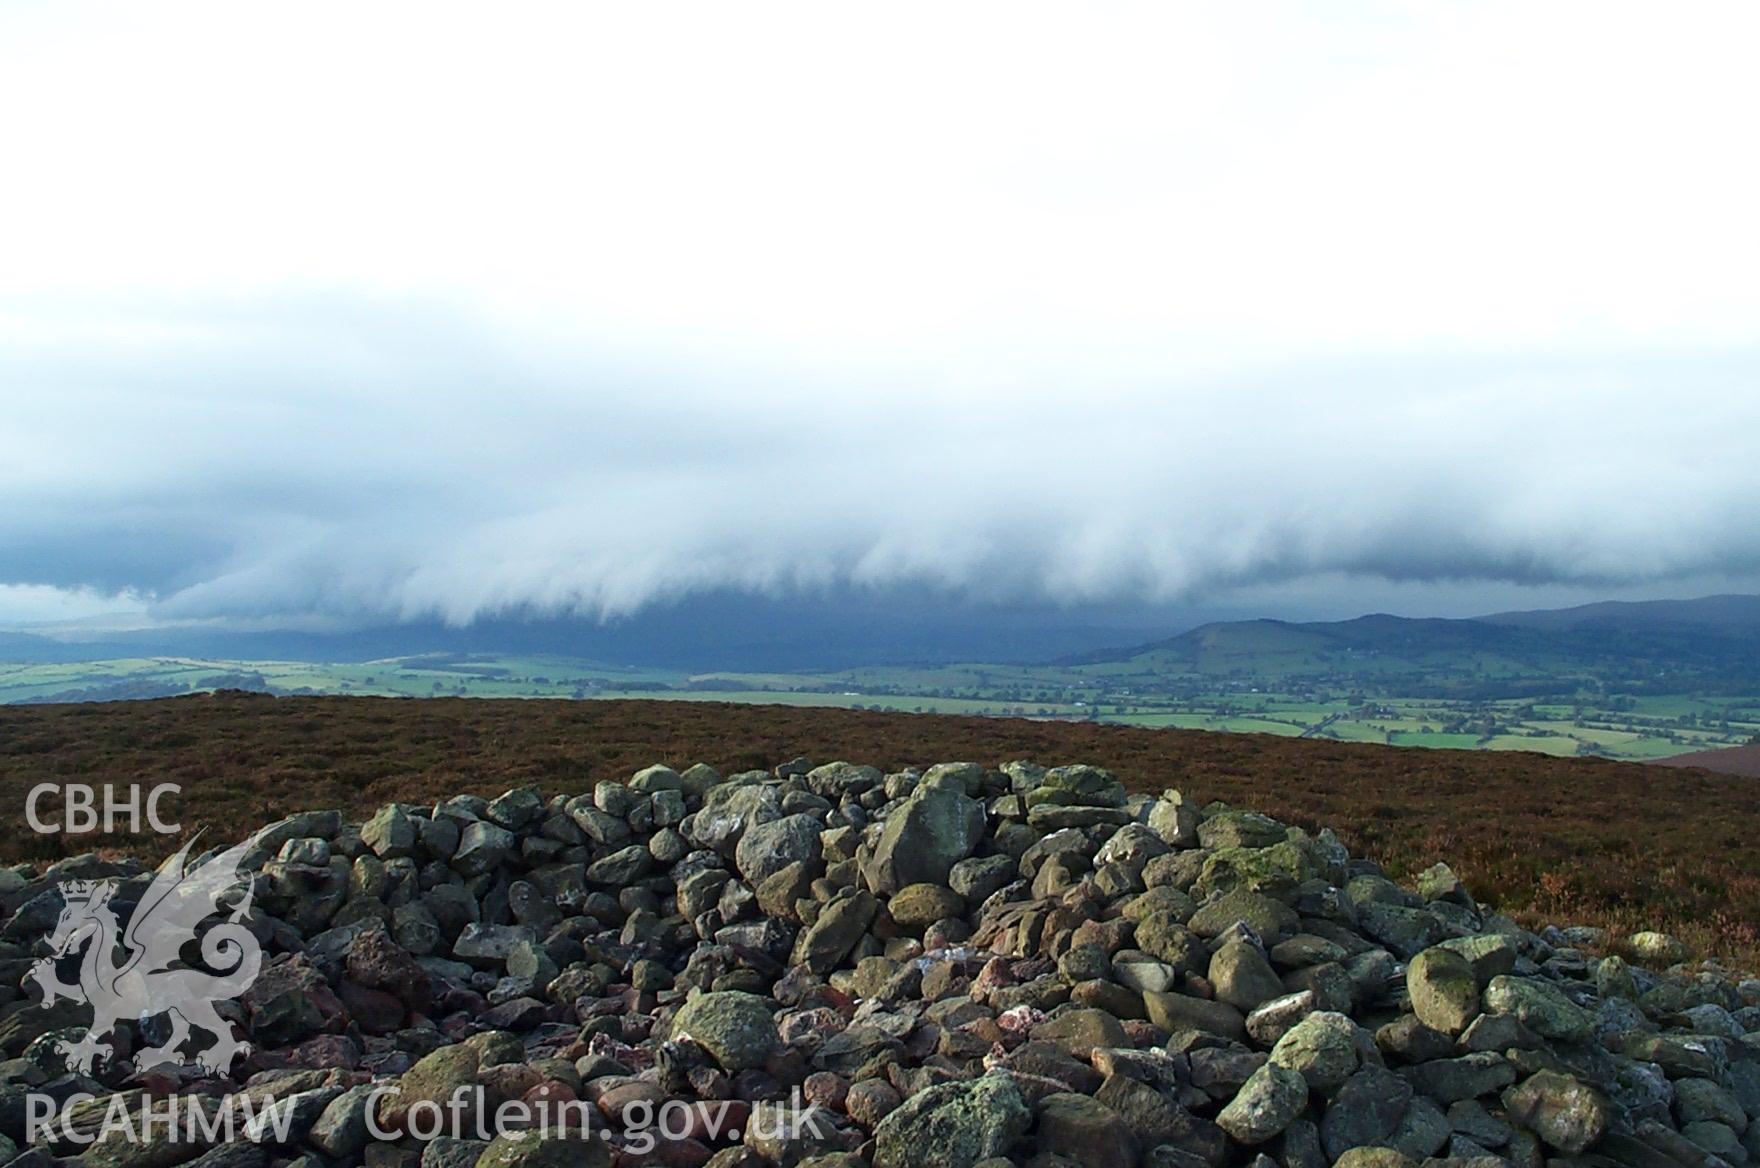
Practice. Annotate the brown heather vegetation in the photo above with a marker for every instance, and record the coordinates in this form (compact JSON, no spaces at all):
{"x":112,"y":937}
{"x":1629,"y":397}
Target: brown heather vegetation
{"x":1731,"y":760}
{"x":1622,"y":845}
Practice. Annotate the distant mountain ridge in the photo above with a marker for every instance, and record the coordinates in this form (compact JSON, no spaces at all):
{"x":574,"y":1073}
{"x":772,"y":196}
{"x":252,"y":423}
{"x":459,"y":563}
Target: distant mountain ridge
{"x":1705,"y":645}
{"x":1642,"y":646}
{"x":1635,"y":682}
{"x":1731,"y":612}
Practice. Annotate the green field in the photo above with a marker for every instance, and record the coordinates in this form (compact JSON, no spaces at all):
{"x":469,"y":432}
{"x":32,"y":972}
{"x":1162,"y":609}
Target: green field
{"x":1613,"y":725}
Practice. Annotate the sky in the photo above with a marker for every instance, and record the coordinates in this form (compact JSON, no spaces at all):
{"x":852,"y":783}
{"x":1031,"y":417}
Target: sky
{"x":337,"y":315}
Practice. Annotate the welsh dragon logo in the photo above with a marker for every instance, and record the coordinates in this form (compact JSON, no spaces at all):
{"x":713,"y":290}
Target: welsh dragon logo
{"x":139,"y":972}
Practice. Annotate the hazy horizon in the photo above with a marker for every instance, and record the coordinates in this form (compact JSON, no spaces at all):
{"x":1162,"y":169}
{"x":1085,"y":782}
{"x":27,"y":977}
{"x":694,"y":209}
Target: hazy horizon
{"x":705,"y":633}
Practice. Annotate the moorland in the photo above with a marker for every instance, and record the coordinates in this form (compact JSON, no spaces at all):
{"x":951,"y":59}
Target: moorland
{"x":1579,"y":840}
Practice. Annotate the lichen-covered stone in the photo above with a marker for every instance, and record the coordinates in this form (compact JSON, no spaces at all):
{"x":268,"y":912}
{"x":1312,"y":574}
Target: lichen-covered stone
{"x":1443,"y":990}
{"x":954,"y":1125}
{"x":737,"y":1028}
{"x":1268,"y":1102}
{"x":1565,"y":1113}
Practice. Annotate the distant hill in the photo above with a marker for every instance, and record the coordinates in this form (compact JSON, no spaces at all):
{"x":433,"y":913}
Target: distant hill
{"x":1636,"y":682}
{"x":1657,"y":646}
{"x":1731,"y":613}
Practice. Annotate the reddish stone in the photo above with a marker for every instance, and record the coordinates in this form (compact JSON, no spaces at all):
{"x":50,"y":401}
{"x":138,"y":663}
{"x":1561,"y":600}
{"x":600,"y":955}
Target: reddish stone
{"x":606,"y":1007}
{"x":714,"y":1121}
{"x":870,"y":1101}
{"x":616,"y":1101}
{"x":787,"y":1065}
{"x":375,"y":1011}
{"x":379,"y":963}
{"x":326,"y":1051}
{"x":996,"y":974}
{"x":794,"y":986}
{"x":1111,"y":935}
{"x":666,"y":1153}
{"x":1019,"y":1020}
{"x":390,"y":1062}
{"x":458,"y":1027}
{"x":634,"y":1057}
{"x":709,"y":1082}
{"x":518,"y":1014}
{"x":821,"y":1022}
{"x":456,"y":999}
{"x":924,"y":1041}
{"x":825,"y":1089}
{"x":290,"y":992}
{"x":548,"y":1101}
{"x":509,"y":1080}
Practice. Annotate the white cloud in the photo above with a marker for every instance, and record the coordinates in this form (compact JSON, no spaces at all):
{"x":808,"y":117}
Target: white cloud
{"x":1179,"y":180}
{"x":23,"y":607}
{"x":415,"y":310}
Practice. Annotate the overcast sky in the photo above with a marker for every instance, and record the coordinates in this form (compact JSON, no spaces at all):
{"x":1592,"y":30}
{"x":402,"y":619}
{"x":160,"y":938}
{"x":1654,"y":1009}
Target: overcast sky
{"x":341,"y":314}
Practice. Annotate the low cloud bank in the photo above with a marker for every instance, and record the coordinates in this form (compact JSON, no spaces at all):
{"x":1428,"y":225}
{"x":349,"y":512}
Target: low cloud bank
{"x":407,"y":464}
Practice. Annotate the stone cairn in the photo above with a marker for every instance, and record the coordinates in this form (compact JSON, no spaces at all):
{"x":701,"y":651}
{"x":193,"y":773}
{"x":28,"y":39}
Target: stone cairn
{"x":953,"y":968}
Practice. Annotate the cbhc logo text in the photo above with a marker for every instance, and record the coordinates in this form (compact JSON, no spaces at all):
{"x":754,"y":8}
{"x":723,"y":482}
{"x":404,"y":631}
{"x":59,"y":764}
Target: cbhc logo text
{"x":82,"y":810}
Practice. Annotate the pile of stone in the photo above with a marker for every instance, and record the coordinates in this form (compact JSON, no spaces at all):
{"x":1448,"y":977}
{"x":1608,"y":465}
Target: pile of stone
{"x":821,"y":967}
